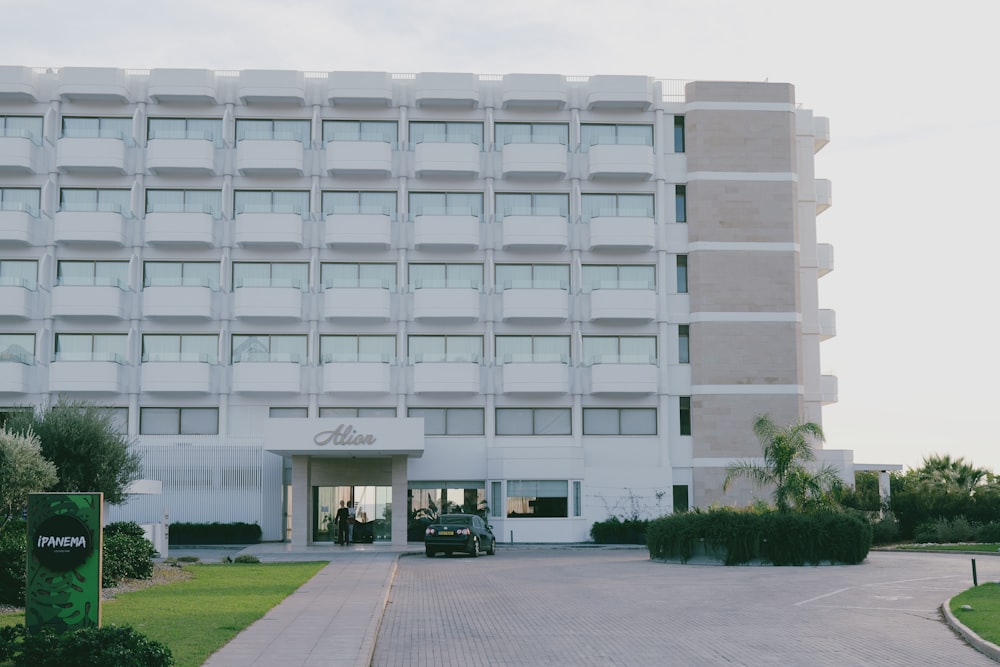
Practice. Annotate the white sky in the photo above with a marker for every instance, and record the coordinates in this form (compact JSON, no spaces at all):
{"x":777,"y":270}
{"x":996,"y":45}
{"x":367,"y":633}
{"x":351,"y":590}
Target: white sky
{"x":910,"y":86}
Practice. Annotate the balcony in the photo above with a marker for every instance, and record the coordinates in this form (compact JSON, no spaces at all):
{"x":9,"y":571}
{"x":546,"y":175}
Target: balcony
{"x":534,"y":161}
{"x":446,"y":378}
{"x":534,"y":91}
{"x":191,"y":301}
{"x":358,"y":229}
{"x":268,"y":302}
{"x":348,"y":303}
{"x":829,"y":388}
{"x":827,"y":323}
{"x":357,"y":377}
{"x":623,"y":379}
{"x":17,"y":84}
{"x":447,"y":89}
{"x":620,"y":161}
{"x":91,"y":227}
{"x":268,"y":229}
{"x":535,"y":378}
{"x":93,"y":84}
{"x":89,"y":301}
{"x":104,"y":377}
{"x":633,"y":93}
{"x":18,"y":301}
{"x":359,"y":158}
{"x":270,"y":157}
{"x":182,"y":86}
{"x":90,"y":155}
{"x":433,"y":158}
{"x":18,"y":227}
{"x":535,"y":304}
{"x":449,"y":231}
{"x":181,"y":156}
{"x":535,"y":231}
{"x":622,"y":233}
{"x":824,"y":258}
{"x":824,"y":195}
{"x":623,"y":304}
{"x":446,"y":303}
{"x":15,"y":377}
{"x":16,"y":155}
{"x":822,"y":128}
{"x":359,"y":89}
{"x":271,"y":377}
{"x":259,"y":86}
{"x":188,"y":229}
{"x":193,"y":377}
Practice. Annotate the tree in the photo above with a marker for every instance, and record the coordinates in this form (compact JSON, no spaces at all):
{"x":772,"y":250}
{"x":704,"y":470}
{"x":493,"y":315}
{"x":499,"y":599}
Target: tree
{"x":88,"y":453}
{"x":23,"y":470}
{"x":789,"y":465}
{"x":943,"y":473}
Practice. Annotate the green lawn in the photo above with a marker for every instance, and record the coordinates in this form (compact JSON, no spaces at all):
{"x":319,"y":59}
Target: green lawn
{"x":196,"y":617}
{"x":986,"y":548}
{"x":984,"y":618}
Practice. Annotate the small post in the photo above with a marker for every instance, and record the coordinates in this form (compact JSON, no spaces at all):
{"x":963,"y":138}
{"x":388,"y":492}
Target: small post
{"x":975,"y":581}
{"x":512,"y":537}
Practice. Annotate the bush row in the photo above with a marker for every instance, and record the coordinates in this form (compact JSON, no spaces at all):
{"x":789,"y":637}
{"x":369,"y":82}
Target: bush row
{"x":743,"y":536}
{"x":214,"y":533}
{"x":957,"y":529}
{"x":110,"y":646}
{"x":616,"y":531}
{"x":918,"y":506}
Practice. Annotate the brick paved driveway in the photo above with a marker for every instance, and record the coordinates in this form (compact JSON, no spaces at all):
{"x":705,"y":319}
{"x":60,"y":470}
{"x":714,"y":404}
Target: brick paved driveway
{"x":616,"y":607}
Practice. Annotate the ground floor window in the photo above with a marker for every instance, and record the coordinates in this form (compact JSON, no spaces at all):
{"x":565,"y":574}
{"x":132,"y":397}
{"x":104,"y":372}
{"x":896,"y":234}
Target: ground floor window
{"x":371,"y":511}
{"x":429,"y":500}
{"x":537,"y":498}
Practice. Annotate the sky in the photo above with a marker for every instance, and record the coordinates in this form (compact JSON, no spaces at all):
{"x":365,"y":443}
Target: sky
{"x":911,"y":89}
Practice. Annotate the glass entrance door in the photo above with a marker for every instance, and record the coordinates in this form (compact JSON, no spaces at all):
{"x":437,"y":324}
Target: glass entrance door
{"x":372,"y":516}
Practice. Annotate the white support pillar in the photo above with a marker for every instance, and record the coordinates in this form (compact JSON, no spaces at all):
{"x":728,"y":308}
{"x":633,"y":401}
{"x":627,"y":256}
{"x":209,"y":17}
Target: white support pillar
{"x":399,"y":518}
{"x":884,"y":492}
{"x":301,"y":500}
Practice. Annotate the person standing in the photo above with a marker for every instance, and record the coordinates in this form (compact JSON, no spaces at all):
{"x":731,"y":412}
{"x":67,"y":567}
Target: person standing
{"x":343,"y":516}
{"x":352,"y":513}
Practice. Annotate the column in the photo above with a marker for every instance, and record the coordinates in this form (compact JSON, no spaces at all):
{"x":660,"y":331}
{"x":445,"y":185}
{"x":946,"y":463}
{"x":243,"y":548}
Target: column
{"x":301,"y":500}
{"x":399,"y":518}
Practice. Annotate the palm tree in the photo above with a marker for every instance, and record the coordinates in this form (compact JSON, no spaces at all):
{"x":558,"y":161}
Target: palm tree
{"x":789,"y":464}
{"x":948,"y":474}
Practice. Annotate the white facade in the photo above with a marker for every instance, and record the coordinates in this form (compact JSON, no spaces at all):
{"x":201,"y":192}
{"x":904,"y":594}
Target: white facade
{"x":583,"y":289}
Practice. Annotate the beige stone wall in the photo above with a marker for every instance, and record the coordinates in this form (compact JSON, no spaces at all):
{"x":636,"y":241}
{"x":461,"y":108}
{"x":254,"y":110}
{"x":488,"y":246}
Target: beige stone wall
{"x":744,"y":141}
{"x":750,"y":353}
{"x":739,"y":91}
{"x":722,"y":425}
{"x":743,"y":281}
{"x":742,"y":211}
{"x":707,"y":490}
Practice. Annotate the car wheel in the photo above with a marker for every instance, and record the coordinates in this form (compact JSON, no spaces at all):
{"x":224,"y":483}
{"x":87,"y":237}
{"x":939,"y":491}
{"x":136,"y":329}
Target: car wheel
{"x":492,"y":551}
{"x":430,"y":552}
{"x":474,"y":551}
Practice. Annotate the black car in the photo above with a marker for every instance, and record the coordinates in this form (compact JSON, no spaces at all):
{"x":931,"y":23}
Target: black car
{"x":466,"y":533}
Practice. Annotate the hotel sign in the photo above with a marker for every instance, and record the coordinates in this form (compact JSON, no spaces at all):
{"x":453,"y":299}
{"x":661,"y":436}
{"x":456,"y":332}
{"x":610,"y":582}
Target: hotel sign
{"x":345,"y":437}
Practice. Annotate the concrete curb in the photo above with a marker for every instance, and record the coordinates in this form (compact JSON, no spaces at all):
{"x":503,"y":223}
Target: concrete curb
{"x":987,"y":648}
{"x":371,"y":634}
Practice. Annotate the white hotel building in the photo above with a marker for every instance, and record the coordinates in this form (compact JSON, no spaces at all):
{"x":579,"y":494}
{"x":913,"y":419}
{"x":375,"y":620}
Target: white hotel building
{"x":555,"y":298}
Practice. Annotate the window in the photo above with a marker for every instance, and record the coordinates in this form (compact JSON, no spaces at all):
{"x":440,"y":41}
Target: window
{"x":451,"y":276}
{"x":181,"y":274}
{"x":680,"y":203}
{"x":91,"y":347}
{"x":678,"y":134}
{"x":90,"y":200}
{"x":358,"y":275}
{"x":534,"y":421}
{"x":684,"y":417}
{"x":537,"y":498}
{"x":619,"y":421}
{"x":531,"y":133}
{"x":683,"y":344}
{"x":451,"y":421}
{"x":281,"y":349}
{"x":91,"y":128}
{"x":619,"y":350}
{"x":616,"y":205}
{"x":268,"y":201}
{"x":360,"y":203}
{"x":446,"y":203}
{"x":632,"y":135}
{"x":275,"y":274}
{"x":681,"y":501}
{"x":626,"y":276}
{"x":178,"y":421}
{"x":682,"y":274}
{"x":203,"y":348}
{"x":184,"y":201}
{"x":447,"y":132}
{"x":360,"y":130}
{"x":113,"y":274}
{"x":448,"y":349}
{"x":577,"y":499}
{"x":348,"y":413}
{"x":376,"y":349}
{"x":273,"y":130}
{"x":532,"y":349}
{"x":287,"y":413}
{"x":532,"y":276}
{"x":26,"y":200}
{"x":531,"y":204}
{"x":208,"y":129}
{"x":17,"y":347}
{"x":27,"y":127}
{"x":19,"y":273}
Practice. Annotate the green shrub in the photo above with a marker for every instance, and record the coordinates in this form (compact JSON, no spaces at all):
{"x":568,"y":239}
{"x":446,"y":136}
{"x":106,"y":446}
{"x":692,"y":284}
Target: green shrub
{"x":110,"y":646}
{"x":246,"y":558}
{"x":988,"y":533}
{"x":214,"y":533}
{"x":615,"y":531}
{"x":10,"y":642}
{"x":13,"y":563}
{"x":130,"y":528}
{"x":885,"y":530}
{"x":126,"y":556}
{"x":945,"y":531}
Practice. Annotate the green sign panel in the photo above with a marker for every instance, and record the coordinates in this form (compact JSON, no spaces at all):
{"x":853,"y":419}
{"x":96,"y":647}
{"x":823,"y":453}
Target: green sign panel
{"x":64,"y":561}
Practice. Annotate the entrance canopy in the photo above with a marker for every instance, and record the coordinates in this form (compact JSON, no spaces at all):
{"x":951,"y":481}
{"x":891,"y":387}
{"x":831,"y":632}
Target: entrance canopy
{"x":338,"y":437}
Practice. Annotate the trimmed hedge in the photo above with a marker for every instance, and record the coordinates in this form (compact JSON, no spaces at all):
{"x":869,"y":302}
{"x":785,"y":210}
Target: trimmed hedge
{"x":780,"y":538}
{"x":214,"y":533}
{"x":13,"y":563}
{"x":127,"y":554}
{"x":110,"y":646}
{"x":616,"y":531}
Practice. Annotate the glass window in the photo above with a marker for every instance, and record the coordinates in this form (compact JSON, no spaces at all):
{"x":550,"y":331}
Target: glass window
{"x":532,"y":349}
{"x":338,"y":349}
{"x":112,"y":274}
{"x":619,"y":350}
{"x":88,"y":200}
{"x":360,"y":130}
{"x":531,"y":133}
{"x":451,"y":276}
{"x":532,"y":276}
{"x":451,"y":421}
{"x":178,"y":421}
{"x":17,"y":347}
{"x":288,"y":413}
{"x":26,"y":200}
{"x":203,"y":348}
{"x":360,"y":203}
{"x":678,"y":134}
{"x":275,"y":274}
{"x":534,"y":421}
{"x":19,"y":273}
{"x":446,"y":132}
{"x":268,"y":201}
{"x":448,"y":349}
{"x":632,"y":135}
{"x":27,"y":127}
{"x":684,"y":416}
{"x":531,"y":204}
{"x":91,"y":128}
{"x":616,"y":205}
{"x":184,"y":201}
{"x":680,"y":203}
{"x":281,"y":349}
{"x":358,"y":275}
{"x":682,"y":274}
{"x":683,"y":344}
{"x":91,"y":347}
{"x":377,"y":413}
{"x":625,"y":276}
{"x":619,"y":421}
{"x":446,"y":203}
{"x":537,"y":498}
{"x":176,"y":274}
{"x":681,"y":502}
{"x":208,"y":129}
{"x":273,"y":130}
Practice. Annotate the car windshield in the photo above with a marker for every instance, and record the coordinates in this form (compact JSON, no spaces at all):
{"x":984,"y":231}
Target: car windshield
{"x":456,"y":520}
